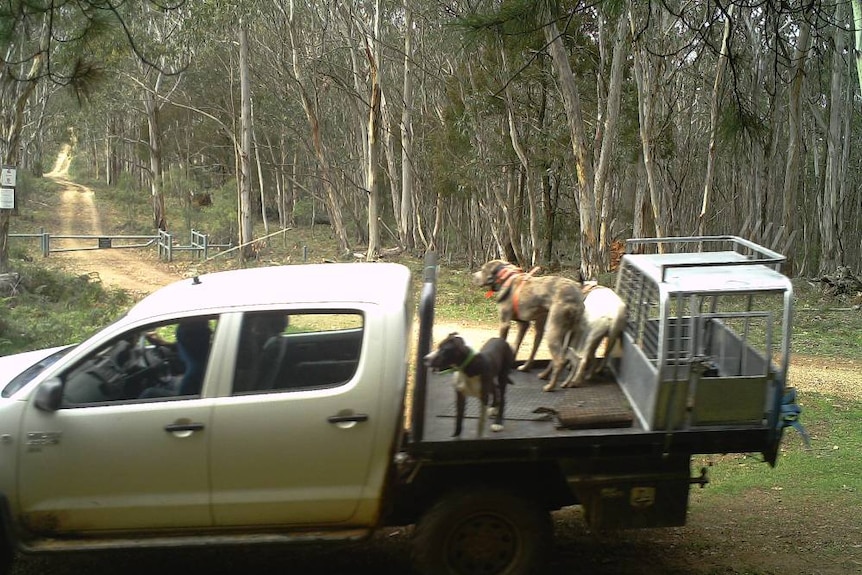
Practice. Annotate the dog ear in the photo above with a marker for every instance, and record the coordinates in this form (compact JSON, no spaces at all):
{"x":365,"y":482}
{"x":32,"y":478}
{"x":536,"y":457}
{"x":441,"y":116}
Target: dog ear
{"x":459,"y":341}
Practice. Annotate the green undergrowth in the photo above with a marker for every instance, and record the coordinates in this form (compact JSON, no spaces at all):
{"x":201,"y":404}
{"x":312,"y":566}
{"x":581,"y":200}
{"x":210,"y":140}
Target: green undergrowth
{"x":51,"y":308}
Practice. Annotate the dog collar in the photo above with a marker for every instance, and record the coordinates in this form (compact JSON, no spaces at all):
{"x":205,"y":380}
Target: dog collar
{"x":470,"y":355}
{"x":467,"y":361}
{"x":504,"y":275}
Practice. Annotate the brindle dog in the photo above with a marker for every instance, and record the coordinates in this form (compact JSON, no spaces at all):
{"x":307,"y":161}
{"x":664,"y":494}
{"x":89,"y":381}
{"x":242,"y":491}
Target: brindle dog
{"x":551,"y":301}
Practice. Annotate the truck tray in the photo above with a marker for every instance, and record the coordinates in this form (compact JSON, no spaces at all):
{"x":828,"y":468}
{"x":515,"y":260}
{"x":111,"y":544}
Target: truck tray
{"x":531,"y":412}
{"x":598,"y":404}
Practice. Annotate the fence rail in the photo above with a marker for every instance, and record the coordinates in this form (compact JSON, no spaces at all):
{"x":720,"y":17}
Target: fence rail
{"x":199,"y":243}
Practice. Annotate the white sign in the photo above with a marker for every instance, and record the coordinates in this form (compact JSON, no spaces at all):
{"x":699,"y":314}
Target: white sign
{"x":7,"y":198}
{"x":7,"y":176}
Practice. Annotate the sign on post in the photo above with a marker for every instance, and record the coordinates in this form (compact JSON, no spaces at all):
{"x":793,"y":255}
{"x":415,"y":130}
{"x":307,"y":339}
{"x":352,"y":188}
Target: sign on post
{"x":7,"y":198}
{"x":8,"y":176}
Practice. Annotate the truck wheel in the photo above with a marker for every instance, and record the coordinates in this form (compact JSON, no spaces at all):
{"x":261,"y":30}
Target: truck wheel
{"x":482,"y":533}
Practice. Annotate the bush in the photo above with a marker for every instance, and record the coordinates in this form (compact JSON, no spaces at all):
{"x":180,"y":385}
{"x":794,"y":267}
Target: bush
{"x":51,"y":308}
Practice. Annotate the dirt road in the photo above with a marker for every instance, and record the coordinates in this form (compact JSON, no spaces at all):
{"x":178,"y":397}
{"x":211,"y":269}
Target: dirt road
{"x":134,"y":270}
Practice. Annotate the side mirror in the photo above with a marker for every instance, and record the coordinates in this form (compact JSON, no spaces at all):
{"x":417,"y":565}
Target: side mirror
{"x":49,"y":395}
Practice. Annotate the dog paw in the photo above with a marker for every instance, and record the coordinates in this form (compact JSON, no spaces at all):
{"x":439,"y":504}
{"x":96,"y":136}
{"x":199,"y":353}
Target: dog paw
{"x":492,"y":411}
{"x":524,"y":367}
{"x":548,"y":387}
{"x":496,"y":427}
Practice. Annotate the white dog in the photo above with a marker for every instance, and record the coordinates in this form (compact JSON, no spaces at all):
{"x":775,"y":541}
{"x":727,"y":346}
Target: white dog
{"x":604,"y":317}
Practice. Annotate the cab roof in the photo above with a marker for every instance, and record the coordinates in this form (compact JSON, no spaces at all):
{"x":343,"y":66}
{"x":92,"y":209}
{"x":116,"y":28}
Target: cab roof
{"x":310,"y":284}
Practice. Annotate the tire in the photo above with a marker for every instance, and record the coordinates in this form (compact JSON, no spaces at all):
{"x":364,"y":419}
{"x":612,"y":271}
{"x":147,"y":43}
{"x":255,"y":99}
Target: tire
{"x":483,"y":532}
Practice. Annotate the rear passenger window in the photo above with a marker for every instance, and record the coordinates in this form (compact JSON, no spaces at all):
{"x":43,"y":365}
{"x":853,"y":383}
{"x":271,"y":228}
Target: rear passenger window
{"x":297,"y":351}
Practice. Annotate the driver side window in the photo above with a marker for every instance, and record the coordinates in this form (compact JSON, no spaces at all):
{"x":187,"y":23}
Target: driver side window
{"x":159,"y":361}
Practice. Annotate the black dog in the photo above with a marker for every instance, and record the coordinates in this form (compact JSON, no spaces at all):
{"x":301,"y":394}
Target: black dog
{"x":483,"y":375}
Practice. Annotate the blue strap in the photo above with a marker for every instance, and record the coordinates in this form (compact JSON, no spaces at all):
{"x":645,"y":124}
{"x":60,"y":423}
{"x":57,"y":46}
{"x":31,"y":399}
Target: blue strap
{"x":790,"y":412}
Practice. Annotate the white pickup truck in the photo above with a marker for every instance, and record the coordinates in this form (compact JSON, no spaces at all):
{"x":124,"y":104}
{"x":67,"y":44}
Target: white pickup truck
{"x":277,"y":405}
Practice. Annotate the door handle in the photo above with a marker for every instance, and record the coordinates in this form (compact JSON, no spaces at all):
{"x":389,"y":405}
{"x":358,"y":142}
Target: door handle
{"x":180,"y":427}
{"x":356,"y":418}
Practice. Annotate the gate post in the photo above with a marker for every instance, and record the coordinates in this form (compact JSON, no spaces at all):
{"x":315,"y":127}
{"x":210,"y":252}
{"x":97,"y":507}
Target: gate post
{"x":165,"y":246}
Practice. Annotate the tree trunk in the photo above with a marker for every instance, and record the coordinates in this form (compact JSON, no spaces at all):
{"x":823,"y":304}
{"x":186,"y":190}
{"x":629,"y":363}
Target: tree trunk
{"x":857,"y":27}
{"x":155,"y":147}
{"x":643,"y":79}
{"x":608,"y":138}
{"x":374,"y":177}
{"x":794,"y":143}
{"x":246,"y":229}
{"x":713,"y":120}
{"x":331,"y":197}
{"x":831,"y":255}
{"x":590,"y":258}
{"x":11,"y":124}
{"x":406,"y":218}
{"x":529,"y":180}
{"x":260,"y":181}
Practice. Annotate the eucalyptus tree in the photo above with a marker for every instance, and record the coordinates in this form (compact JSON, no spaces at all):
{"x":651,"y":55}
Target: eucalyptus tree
{"x":837,"y":138}
{"x":306,"y":41}
{"x":157,"y":84}
{"x":561,"y":26}
{"x":406,"y":215}
{"x":792,"y":181}
{"x":51,"y":42}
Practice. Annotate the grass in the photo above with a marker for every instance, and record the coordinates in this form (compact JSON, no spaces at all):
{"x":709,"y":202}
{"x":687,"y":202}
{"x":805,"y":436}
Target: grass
{"x":51,"y":308}
{"x":831,"y":465}
{"x":825,"y":327}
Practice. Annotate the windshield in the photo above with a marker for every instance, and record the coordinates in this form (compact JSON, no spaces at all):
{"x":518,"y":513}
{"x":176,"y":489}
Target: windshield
{"x":28,"y":374}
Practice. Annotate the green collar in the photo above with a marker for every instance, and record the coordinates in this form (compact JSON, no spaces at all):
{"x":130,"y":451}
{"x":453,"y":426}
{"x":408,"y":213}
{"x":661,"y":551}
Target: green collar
{"x":465,"y":363}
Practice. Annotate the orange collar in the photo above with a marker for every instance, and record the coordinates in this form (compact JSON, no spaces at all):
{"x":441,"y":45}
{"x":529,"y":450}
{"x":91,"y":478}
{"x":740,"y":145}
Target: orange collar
{"x":504,"y":279}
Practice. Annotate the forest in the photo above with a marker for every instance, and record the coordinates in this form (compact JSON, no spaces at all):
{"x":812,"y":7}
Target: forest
{"x":542,"y":131}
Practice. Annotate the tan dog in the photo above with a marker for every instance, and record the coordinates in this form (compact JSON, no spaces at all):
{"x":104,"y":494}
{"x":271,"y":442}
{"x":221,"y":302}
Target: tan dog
{"x":604,"y":317}
{"x":551,"y":301}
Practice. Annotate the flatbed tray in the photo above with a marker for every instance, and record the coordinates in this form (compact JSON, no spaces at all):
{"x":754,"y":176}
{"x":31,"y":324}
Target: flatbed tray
{"x":598,"y":405}
{"x":602,"y":425}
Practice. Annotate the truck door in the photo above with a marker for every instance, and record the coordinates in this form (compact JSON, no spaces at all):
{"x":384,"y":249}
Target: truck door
{"x":111,"y":456}
{"x":293,"y":440}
